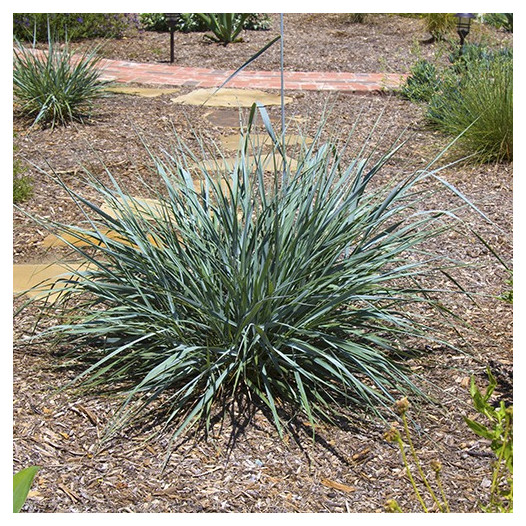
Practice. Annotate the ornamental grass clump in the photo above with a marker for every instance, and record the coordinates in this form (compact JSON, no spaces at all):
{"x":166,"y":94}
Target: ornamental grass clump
{"x":477,"y":105}
{"x":293,"y":290}
{"x":56,"y":87}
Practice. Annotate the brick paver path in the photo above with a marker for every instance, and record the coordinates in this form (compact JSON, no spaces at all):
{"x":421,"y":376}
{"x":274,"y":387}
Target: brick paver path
{"x":172,"y":75}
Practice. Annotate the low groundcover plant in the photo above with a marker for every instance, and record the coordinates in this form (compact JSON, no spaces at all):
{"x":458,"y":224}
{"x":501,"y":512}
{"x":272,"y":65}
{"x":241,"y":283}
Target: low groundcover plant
{"x":295,"y":293}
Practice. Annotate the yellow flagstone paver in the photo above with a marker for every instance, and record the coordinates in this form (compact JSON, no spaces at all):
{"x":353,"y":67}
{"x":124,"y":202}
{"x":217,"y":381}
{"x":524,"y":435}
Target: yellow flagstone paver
{"x":143,"y":205}
{"x":228,"y":98}
{"x":36,"y":280}
{"x":86,"y":240}
{"x":232,"y":142}
{"x":228,"y":163}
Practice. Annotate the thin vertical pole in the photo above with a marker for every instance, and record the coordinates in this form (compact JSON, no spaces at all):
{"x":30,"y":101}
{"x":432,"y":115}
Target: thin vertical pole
{"x":282,"y":63}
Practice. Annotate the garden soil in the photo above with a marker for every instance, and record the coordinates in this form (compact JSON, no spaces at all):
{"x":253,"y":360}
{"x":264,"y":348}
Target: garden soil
{"x":242,"y":465}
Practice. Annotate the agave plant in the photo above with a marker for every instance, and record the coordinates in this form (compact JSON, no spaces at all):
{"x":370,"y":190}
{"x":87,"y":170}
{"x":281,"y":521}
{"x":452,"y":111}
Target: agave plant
{"x":225,"y":27}
{"x":296,"y":294}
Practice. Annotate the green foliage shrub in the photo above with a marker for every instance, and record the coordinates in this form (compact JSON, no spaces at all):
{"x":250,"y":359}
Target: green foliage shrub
{"x":293,"y":292}
{"x":257,"y":22}
{"x":471,"y":98}
{"x":22,"y":184}
{"x":499,"y":20}
{"x":498,"y":429}
{"x":188,"y":22}
{"x":422,"y":82}
{"x":51,"y":87}
{"x":185,"y":23}
{"x":72,"y":26}
{"x":153,"y":21}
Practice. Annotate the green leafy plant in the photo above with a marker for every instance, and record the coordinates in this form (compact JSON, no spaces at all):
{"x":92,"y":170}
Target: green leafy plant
{"x":422,"y":83}
{"x":225,"y":27}
{"x":499,"y":431}
{"x":185,"y":22}
{"x":188,"y":22}
{"x":394,"y":435}
{"x":500,"y":20}
{"x":55,"y":87}
{"x":153,"y":21}
{"x":22,"y":185}
{"x":471,"y":99}
{"x":257,"y":22}
{"x":294,"y":294}
{"x":21,"y":485}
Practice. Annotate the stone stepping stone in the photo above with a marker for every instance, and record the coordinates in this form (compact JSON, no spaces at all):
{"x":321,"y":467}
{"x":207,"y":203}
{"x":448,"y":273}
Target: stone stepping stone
{"x":149,"y":207}
{"x":229,"y":118}
{"x":232,"y":142}
{"x":229,"y":98}
{"x":53,"y":241}
{"x":36,"y":280}
{"x":142,"y":92}
{"x":228,"y":163}
{"x":144,"y":205}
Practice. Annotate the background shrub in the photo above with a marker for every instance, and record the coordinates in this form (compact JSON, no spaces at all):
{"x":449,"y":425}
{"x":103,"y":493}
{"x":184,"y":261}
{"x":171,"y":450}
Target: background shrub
{"x":72,"y":26}
{"x":189,"y":22}
{"x":439,"y":24}
{"x":499,"y":20}
{"x":422,"y":83}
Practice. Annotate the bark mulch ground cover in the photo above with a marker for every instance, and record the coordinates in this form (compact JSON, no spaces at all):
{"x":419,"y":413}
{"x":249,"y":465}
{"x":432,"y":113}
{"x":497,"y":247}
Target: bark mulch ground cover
{"x":242,"y":466}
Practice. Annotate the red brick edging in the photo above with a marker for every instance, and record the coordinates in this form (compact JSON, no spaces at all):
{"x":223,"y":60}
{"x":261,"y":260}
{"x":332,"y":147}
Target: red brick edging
{"x":172,"y":75}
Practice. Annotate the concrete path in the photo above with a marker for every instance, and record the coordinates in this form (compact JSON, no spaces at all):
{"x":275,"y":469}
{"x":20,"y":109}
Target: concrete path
{"x":172,"y":75}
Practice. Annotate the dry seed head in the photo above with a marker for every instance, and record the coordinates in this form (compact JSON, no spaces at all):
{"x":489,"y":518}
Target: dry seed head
{"x":436,"y":466}
{"x":402,"y":405}
{"x":392,"y":435}
{"x":391,"y":506}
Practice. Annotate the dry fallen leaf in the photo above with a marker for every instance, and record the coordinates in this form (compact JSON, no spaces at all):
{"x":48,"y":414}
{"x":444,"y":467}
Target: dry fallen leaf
{"x":337,"y":485}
